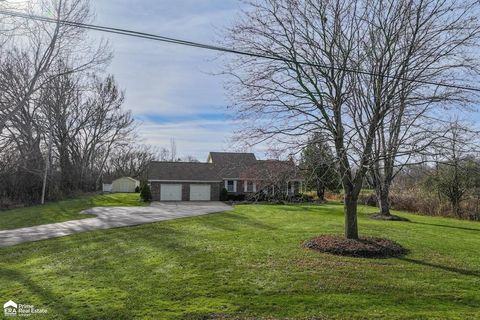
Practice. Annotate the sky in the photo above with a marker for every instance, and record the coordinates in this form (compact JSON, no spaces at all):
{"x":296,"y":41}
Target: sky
{"x":172,"y":90}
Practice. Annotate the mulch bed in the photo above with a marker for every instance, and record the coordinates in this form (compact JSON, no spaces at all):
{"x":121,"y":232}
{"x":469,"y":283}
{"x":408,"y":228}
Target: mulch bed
{"x":365,"y":247}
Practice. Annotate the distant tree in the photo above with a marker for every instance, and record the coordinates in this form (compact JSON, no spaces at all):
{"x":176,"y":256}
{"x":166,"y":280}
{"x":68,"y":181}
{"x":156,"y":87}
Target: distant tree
{"x":131,"y":161}
{"x":453,"y":180}
{"x":318,"y":165}
{"x":457,"y":174}
{"x":189,"y":159}
{"x":166,"y":154}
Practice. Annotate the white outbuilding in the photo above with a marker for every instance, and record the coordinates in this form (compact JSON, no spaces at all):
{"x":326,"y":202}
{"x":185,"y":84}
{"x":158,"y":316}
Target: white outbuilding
{"x":124,"y":184}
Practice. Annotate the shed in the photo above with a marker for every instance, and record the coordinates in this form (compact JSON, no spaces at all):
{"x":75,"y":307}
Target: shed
{"x":124,"y":184}
{"x":107,"y":187}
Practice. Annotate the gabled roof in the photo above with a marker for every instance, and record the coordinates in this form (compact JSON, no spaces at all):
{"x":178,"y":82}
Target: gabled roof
{"x":230,"y":164}
{"x":271,"y":170}
{"x":222,"y":165}
{"x":129,"y":178}
{"x":182,"y":171}
{"x":108,"y":179}
{"x":225,"y":157}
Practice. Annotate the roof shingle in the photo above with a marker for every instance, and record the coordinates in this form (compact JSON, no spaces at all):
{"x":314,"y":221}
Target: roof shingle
{"x":220,"y":166}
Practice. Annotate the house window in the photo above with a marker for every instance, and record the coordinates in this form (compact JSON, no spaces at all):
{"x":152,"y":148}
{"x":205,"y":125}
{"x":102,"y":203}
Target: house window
{"x":249,"y":186}
{"x":291,"y":187}
{"x":231,"y":185}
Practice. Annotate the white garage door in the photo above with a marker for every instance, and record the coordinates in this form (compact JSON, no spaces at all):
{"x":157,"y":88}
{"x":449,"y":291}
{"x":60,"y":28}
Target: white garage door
{"x":200,"y":192}
{"x":171,"y":192}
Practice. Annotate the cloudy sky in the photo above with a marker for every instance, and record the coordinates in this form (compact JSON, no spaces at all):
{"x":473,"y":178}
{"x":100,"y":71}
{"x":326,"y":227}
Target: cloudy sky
{"x":170,"y":88}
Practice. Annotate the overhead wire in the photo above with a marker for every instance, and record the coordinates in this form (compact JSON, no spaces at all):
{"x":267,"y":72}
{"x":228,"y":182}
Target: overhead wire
{"x":171,"y":40}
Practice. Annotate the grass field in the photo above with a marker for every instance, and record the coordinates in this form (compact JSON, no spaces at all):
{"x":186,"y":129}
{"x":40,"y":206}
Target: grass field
{"x":64,"y":210}
{"x":248,"y":264}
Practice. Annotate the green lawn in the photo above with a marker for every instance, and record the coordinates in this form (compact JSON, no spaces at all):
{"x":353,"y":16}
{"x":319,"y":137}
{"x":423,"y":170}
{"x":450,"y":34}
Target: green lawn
{"x":64,"y":210}
{"x":248,"y":264}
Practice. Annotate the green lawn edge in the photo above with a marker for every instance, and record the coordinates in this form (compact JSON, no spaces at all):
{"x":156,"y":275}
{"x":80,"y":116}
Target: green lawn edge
{"x":64,"y":210}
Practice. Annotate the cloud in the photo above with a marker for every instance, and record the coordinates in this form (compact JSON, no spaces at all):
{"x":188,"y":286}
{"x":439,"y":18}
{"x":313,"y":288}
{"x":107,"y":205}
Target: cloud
{"x":195,"y":138}
{"x":162,"y":78}
{"x":169,"y":88}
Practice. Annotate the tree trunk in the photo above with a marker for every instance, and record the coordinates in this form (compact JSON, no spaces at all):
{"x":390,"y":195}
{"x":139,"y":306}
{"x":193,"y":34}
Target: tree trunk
{"x":320,"y":192}
{"x":382,"y":193}
{"x":47,"y":165}
{"x":350,"y":210}
{"x":456,"y":206}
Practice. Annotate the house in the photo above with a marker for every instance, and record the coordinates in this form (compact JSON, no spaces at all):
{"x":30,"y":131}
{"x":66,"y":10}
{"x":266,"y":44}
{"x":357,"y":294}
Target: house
{"x":238,"y":173}
{"x":123,"y":184}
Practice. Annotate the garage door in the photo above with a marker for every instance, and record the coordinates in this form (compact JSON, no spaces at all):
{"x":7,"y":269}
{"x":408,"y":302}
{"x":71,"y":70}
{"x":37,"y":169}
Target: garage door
{"x":171,"y":192}
{"x":200,"y":192}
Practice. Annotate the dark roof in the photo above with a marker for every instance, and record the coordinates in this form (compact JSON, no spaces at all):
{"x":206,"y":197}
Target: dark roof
{"x":222,"y":157}
{"x":223,"y":165}
{"x":229,"y":164}
{"x":187,"y":171}
{"x":271,"y":170}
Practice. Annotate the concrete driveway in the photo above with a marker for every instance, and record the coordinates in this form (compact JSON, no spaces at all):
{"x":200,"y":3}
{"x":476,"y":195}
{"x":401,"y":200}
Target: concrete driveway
{"x":111,"y":217}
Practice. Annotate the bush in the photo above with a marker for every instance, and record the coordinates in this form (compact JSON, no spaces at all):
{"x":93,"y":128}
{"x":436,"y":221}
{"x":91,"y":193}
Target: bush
{"x":420,"y":201}
{"x":223,"y":195}
{"x":236,"y":197}
{"x":301,"y":198}
{"x":145,"y":193}
{"x":137,"y":189}
{"x":368,"y":199}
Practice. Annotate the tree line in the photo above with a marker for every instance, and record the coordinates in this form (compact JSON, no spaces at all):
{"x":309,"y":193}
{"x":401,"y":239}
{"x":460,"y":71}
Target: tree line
{"x":62,"y":125}
{"x":443,"y":181}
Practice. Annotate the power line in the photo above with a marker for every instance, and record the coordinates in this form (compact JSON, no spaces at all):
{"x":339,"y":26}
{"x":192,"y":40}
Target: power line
{"x":150,"y":36}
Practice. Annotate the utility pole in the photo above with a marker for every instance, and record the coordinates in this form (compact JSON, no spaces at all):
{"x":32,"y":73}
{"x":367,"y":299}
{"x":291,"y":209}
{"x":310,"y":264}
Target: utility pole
{"x":47,"y":162}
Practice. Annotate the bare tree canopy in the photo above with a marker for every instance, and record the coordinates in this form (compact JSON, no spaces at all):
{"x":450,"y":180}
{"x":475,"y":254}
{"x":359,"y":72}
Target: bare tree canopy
{"x":310,"y":87}
{"x":61,"y":118}
{"x":27,"y":59}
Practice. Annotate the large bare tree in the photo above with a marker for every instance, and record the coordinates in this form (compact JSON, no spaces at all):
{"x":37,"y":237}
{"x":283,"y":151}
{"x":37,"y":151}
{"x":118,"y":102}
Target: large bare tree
{"x":38,"y":46}
{"x":311,"y":82}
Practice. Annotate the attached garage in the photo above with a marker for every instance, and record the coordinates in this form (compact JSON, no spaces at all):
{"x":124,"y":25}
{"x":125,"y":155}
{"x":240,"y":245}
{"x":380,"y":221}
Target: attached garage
{"x":200,"y":192}
{"x":184,"y":181}
{"x":170,"y":192}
